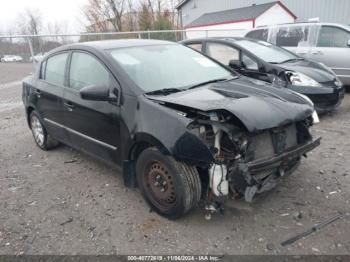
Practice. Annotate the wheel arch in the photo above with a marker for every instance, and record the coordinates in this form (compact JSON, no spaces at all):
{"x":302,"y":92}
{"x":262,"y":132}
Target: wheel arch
{"x":29,"y":110}
{"x":140,"y":142}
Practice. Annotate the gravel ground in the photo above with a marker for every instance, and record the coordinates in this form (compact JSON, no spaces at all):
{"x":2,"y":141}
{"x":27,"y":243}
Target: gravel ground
{"x":64,"y":202}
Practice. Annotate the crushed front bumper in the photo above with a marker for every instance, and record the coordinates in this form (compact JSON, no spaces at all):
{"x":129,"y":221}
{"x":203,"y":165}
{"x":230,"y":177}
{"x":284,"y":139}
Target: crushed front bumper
{"x":285,"y":157}
{"x":261,"y":175}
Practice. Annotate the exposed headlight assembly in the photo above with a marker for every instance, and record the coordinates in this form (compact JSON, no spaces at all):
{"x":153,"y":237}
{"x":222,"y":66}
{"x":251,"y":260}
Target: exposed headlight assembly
{"x":299,"y":79}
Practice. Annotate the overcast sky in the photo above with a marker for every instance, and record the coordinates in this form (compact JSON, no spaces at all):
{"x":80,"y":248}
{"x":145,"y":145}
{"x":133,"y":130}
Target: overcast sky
{"x":51,"y":10}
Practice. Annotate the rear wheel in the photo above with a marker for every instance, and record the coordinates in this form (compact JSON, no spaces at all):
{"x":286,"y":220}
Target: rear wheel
{"x":41,"y":137}
{"x":171,"y":188}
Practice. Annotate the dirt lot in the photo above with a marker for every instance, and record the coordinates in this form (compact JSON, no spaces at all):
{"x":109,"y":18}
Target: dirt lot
{"x":64,"y":202}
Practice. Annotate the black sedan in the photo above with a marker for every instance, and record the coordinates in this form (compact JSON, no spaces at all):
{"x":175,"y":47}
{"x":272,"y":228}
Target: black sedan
{"x":180,"y":125}
{"x":267,"y":62}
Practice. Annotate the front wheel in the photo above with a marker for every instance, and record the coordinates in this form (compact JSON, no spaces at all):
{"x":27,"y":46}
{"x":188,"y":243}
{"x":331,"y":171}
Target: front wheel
{"x":171,"y":188}
{"x":41,"y":137}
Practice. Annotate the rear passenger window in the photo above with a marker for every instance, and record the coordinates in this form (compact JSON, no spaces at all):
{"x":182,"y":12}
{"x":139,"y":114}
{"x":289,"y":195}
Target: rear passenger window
{"x":292,"y":36}
{"x":222,"y":53}
{"x":331,"y":36}
{"x":260,"y":34}
{"x":86,"y":70}
{"x":55,"y":67}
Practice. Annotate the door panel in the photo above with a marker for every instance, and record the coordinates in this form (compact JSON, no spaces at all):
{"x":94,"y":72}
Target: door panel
{"x":93,"y":126}
{"x":49,"y":93}
{"x":332,"y":50}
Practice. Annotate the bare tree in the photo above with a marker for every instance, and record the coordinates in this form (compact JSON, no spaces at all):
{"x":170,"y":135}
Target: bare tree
{"x":30,"y":23}
{"x":114,"y":11}
{"x":151,"y":9}
{"x":58,"y":28}
{"x":103,"y":14}
{"x":120,"y":15}
{"x":95,"y":16}
{"x":132,"y":16}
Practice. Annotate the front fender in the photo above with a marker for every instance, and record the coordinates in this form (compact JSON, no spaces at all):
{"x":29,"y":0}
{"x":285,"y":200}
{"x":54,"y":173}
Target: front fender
{"x":166,"y":129}
{"x":190,"y":149}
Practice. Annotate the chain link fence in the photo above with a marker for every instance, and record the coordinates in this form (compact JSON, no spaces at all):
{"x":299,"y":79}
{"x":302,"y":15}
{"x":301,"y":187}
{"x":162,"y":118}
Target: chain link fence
{"x":31,"y":48}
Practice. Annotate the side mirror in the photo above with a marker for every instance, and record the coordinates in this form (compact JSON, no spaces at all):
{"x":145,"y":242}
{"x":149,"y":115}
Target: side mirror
{"x":98,"y":93}
{"x":236,"y":64}
{"x":348,"y":43}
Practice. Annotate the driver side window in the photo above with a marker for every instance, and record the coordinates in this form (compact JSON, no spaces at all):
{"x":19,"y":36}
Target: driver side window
{"x":222,"y":53}
{"x":86,"y":70}
{"x":249,"y":63}
{"x":331,"y":36}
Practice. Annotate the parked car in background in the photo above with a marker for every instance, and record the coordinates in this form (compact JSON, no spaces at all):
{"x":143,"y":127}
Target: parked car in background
{"x":267,"y":62}
{"x":327,"y":43}
{"x":37,"y":58}
{"x":11,"y":58}
{"x":180,"y":124}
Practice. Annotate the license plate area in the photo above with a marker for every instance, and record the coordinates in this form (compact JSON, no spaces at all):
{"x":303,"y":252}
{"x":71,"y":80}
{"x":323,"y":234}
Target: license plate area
{"x":279,"y":140}
{"x":283,"y":138}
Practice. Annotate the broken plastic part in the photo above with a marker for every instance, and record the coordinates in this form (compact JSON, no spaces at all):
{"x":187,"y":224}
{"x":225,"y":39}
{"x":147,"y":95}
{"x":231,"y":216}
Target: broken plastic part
{"x":218,"y":180}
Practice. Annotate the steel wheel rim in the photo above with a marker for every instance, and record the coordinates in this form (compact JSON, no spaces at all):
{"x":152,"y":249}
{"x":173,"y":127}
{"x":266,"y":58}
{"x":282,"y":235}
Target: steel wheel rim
{"x":38,"y":131}
{"x":160,"y":184}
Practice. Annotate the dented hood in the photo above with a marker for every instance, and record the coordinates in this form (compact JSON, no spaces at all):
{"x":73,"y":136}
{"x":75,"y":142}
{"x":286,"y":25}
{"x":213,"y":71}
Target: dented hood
{"x":258,"y":105}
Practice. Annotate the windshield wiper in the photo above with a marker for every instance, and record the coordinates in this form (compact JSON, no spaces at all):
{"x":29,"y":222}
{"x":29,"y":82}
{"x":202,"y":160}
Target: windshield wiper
{"x":210,"y":82}
{"x":164,"y":91}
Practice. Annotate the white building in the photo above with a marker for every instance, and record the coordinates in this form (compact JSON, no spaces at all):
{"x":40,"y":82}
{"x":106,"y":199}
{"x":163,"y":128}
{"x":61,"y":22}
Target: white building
{"x":235,"y":22}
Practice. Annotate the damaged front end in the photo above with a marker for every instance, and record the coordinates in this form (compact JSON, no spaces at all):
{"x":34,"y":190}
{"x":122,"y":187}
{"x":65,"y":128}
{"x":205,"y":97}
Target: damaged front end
{"x":248,"y":163}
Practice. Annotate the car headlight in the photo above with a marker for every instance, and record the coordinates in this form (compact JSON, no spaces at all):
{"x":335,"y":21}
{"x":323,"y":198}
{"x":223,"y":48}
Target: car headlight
{"x":299,"y":79}
{"x":337,"y":82}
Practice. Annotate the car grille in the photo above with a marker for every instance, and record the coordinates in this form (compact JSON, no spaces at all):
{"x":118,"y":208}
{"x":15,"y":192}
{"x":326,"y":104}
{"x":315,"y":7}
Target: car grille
{"x":271,"y":142}
{"x":328,"y":100}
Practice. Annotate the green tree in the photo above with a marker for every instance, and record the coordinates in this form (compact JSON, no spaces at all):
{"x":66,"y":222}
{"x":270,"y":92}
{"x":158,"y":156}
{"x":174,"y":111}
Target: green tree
{"x":163,"y":22}
{"x":145,"y":18}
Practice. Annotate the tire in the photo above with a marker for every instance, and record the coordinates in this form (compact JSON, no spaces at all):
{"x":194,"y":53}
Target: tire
{"x":180,"y":183}
{"x":40,"y":135}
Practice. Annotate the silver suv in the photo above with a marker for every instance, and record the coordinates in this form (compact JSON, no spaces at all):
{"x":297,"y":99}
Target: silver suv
{"x":327,"y":43}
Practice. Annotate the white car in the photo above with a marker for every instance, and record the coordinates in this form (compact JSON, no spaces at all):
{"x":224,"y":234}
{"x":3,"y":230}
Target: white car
{"x":327,"y":43}
{"x":11,"y":58}
{"x":37,"y":57}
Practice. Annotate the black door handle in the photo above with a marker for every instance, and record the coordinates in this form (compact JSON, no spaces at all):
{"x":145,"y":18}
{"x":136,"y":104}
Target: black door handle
{"x":69,"y":106}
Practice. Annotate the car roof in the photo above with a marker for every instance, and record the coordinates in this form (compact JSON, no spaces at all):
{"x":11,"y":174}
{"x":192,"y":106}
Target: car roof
{"x":111,"y":44}
{"x":228,"y":39}
{"x":300,"y":23}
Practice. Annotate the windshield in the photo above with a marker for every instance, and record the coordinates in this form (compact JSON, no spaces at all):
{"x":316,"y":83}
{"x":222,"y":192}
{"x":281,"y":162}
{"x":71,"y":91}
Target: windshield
{"x":267,"y":52}
{"x":159,"y":67}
